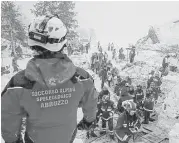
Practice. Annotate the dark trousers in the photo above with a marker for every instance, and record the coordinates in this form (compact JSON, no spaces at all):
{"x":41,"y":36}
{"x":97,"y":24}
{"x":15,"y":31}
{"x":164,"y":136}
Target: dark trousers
{"x":109,"y":83}
{"x":110,"y":124}
{"x":102,"y":83}
{"x":132,"y":59}
{"x":110,"y":121}
{"x":146,"y":116}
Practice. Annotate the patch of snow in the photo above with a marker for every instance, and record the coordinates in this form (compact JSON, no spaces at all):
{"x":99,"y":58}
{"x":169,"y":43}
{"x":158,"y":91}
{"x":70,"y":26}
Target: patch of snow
{"x":174,"y":134}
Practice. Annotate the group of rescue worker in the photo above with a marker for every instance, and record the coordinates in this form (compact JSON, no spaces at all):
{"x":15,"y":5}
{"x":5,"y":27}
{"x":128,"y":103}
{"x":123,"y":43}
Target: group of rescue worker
{"x":121,"y":55}
{"x":135,"y":104}
{"x":83,"y":48}
{"x":103,"y":67}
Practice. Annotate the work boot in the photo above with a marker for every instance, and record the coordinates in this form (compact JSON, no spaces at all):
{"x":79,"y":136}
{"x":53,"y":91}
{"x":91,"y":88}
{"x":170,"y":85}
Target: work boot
{"x":151,"y":119}
{"x":145,"y":122}
{"x":102,"y":132}
{"x":111,"y":137}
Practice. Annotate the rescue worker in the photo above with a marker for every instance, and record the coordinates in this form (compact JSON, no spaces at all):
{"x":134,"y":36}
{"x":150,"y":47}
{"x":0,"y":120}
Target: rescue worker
{"x":102,"y":93}
{"x":114,"y":71}
{"x":128,"y":80}
{"x":114,"y":54}
{"x":109,"y":46}
{"x":132,"y":54}
{"x":105,"y":56}
{"x":151,"y":74}
{"x":128,"y":122}
{"x":109,"y":77}
{"x":131,"y":91}
{"x":165,"y":62}
{"x":15,"y":65}
{"x":92,"y":61}
{"x":48,"y":91}
{"x":96,"y":64}
{"x":112,"y":47}
{"x":105,"y":108}
{"x":69,"y":49}
{"x":109,"y":65}
{"x":103,"y":64}
{"x":100,"y":56}
{"x":99,"y":45}
{"x":124,"y":96}
{"x":87,"y":47}
{"x":154,"y":83}
{"x":165,"y":65}
{"x":121,"y":54}
{"x":18,"y":51}
{"x":148,"y":106}
{"x":139,"y":96}
{"x":103,"y":76}
{"x":118,"y":86}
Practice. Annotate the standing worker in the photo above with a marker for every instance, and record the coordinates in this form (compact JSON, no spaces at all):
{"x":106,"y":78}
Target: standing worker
{"x":49,"y":91}
{"x":132,"y":54}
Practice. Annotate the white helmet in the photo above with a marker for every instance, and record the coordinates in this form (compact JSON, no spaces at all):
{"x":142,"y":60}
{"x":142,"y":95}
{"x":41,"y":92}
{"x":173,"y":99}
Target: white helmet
{"x":48,"y":32}
{"x":157,"y":73}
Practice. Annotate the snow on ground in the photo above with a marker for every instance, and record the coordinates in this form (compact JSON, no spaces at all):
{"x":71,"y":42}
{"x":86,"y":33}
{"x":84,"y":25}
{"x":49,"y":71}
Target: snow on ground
{"x":170,"y":108}
{"x":174,"y":134}
{"x":152,"y":60}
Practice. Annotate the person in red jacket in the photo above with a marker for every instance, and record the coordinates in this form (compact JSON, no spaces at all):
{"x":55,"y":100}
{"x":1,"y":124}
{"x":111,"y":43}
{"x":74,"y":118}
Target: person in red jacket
{"x":128,"y":122}
{"x":49,"y":91}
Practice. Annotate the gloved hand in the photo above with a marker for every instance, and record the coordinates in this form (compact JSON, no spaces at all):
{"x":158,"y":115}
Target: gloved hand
{"x":84,"y":125}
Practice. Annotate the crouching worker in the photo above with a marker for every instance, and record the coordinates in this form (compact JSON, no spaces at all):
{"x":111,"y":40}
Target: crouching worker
{"x":124,"y":96}
{"x":106,"y":109}
{"x":128,"y":122}
{"x":105,"y":91}
{"x":48,"y":91}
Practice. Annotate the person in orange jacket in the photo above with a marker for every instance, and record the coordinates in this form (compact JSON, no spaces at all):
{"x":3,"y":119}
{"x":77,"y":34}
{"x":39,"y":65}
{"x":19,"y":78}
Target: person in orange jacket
{"x":49,"y":91}
{"x":128,"y":122}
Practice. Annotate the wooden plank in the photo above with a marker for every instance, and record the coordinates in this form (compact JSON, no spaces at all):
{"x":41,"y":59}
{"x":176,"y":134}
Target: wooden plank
{"x":153,"y":138}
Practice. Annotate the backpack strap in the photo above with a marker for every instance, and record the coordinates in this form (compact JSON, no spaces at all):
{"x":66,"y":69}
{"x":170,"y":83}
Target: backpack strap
{"x":19,"y":80}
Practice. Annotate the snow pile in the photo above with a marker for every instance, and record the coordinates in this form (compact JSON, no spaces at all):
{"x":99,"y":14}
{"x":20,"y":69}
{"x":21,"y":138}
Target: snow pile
{"x":169,"y":112}
{"x":171,"y":103}
{"x":168,"y":33}
{"x":160,"y":37}
{"x":174,"y":134}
